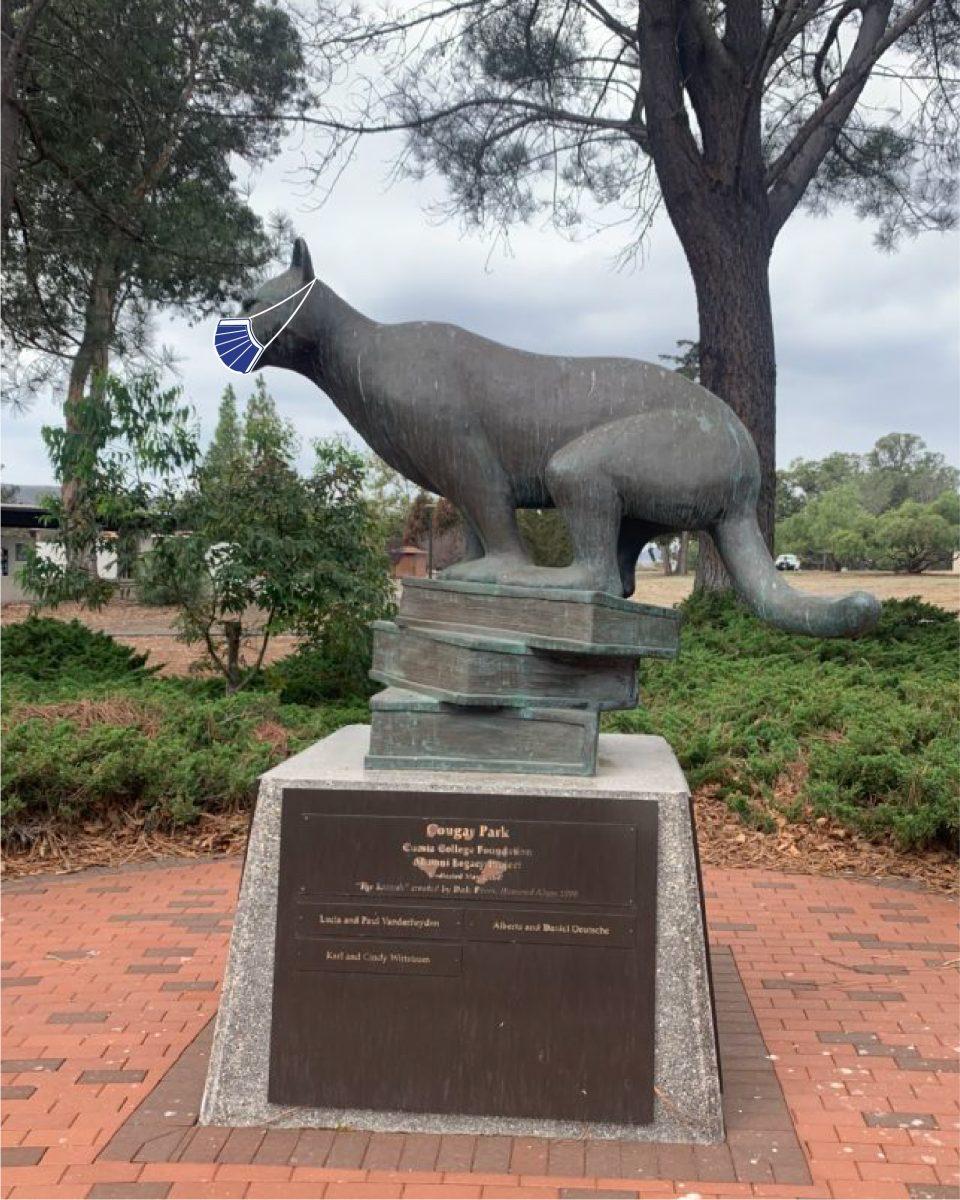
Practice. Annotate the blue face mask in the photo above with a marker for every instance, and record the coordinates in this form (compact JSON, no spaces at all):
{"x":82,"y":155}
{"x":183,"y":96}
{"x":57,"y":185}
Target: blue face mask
{"x":237,"y":345}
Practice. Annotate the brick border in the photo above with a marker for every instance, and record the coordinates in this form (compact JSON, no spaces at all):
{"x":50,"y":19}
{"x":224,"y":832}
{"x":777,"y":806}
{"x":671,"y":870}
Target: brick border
{"x":761,"y":1145}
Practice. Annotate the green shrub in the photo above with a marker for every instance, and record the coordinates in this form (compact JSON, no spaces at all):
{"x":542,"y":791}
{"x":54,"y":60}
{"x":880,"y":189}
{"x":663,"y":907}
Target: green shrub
{"x":167,"y":749}
{"x":336,"y":670}
{"x":42,"y":648}
{"x":868,"y":728}
{"x":865,"y":731}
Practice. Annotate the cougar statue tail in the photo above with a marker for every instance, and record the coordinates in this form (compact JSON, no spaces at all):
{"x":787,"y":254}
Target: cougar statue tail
{"x":763,"y":588}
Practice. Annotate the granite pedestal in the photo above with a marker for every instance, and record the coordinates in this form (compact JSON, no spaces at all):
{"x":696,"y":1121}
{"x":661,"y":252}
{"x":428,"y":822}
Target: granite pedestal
{"x":638,"y":781}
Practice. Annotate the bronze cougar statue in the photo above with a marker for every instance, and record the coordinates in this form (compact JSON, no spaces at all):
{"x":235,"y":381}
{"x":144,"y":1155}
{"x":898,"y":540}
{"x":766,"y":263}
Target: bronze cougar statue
{"x":626,"y":450}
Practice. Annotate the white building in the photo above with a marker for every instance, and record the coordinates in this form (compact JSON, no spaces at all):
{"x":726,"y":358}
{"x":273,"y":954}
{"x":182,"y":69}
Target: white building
{"x":22,"y":526}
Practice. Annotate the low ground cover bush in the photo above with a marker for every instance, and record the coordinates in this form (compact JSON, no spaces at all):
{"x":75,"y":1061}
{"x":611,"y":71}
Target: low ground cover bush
{"x":865,"y":731}
{"x":102,"y":731}
{"x":43,"y":648}
{"x":333,"y":670}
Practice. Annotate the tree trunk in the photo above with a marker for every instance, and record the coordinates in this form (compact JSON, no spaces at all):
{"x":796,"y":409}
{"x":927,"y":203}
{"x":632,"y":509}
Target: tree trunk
{"x":13,"y":47}
{"x":737,"y":358}
{"x":683,"y":553}
{"x":9,"y":122}
{"x":90,"y":361}
{"x":714,"y":190}
{"x":232,"y":631}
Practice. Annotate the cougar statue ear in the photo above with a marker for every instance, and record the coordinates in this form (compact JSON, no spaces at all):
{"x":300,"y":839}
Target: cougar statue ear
{"x":301,"y":260}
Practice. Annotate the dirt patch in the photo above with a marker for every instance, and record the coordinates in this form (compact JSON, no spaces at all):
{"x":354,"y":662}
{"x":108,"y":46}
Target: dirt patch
{"x":118,"y":615}
{"x":815,"y":846}
{"x":176,"y":658}
{"x":61,"y":849}
{"x":937,"y":587}
{"x":153,"y":631}
{"x":273,"y":734}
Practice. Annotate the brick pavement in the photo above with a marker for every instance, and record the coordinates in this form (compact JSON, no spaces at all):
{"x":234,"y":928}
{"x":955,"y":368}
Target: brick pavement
{"x":837,"y":1004}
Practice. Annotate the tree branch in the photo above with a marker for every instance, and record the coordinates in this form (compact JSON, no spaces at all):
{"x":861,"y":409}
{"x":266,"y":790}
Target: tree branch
{"x":607,"y":18}
{"x":789,"y":176}
{"x":672,"y":144}
{"x":788,"y":22}
{"x":820,"y":58}
{"x":69,"y":174}
{"x":17,"y":40}
{"x":545,"y":112}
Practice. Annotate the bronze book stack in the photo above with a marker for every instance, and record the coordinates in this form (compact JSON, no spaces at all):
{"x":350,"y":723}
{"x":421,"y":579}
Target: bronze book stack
{"x":488,"y":677}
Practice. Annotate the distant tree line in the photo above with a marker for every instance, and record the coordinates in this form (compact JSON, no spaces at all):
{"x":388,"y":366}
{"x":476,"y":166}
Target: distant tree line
{"x":894,"y":508}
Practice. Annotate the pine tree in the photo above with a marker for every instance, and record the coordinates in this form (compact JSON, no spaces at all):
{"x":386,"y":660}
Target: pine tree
{"x":226,"y":449}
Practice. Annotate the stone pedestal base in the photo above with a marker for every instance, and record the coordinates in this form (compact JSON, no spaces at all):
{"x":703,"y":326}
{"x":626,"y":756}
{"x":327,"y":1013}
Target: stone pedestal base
{"x":632,"y":773}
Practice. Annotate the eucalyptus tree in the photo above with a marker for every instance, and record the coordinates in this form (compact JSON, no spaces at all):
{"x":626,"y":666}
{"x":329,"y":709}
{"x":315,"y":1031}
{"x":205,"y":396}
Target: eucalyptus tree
{"x":729,"y":113}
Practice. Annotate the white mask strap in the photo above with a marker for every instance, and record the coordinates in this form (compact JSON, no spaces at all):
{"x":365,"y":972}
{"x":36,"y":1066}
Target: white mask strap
{"x":306,"y":292}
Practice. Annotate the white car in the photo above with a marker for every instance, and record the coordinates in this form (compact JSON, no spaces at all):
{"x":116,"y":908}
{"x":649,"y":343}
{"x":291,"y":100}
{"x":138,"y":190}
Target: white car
{"x":787,"y":562}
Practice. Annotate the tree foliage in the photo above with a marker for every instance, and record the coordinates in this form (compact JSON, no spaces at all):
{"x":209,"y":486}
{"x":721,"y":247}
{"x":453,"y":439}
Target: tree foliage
{"x":835,"y":527}
{"x":390,"y":495}
{"x":896,"y":507}
{"x":259,"y":549}
{"x":686,"y":361}
{"x":127,"y":120}
{"x":899,"y":467}
{"x":914,"y":537}
{"x":539,"y":104}
{"x":545,"y":536}
{"x":419,"y":521}
{"x":806,"y":480}
{"x":129,"y":446}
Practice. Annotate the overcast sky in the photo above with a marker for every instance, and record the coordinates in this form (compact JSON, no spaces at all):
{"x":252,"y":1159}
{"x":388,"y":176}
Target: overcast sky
{"x":867,"y":342}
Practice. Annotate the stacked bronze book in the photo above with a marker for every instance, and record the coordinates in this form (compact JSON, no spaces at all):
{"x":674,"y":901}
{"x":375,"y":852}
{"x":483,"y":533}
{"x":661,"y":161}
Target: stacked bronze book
{"x":486,"y":677}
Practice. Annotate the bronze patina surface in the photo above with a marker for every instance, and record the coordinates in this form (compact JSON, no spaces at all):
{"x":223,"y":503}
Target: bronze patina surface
{"x":625,"y":450}
{"x":485,"y":677}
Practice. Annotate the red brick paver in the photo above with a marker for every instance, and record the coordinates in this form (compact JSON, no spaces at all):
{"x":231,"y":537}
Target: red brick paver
{"x":852,"y":986}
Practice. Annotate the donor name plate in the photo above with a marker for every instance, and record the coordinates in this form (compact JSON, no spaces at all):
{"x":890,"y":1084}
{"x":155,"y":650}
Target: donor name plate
{"x":464,"y":954}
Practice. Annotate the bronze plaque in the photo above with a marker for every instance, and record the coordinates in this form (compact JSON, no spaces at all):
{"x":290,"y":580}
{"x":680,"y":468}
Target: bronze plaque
{"x":455,"y":953}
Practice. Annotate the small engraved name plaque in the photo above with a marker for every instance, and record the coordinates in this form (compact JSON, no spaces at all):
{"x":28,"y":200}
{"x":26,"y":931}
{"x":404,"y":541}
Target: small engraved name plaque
{"x":456,"y":953}
{"x":552,"y":928}
{"x":383,"y":958}
{"x":395,"y":921}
